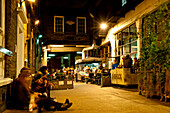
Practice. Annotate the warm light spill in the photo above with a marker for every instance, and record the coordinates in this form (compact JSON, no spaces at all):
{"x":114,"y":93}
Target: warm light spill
{"x":31,"y":0}
{"x":37,"y":22}
{"x":103,"y":26}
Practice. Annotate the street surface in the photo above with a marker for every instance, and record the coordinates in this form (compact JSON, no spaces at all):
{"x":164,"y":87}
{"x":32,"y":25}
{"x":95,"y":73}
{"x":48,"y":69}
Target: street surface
{"x":91,"y":98}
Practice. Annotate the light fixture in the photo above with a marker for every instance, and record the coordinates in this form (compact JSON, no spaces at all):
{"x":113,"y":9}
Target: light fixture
{"x":65,"y":57}
{"x":48,"y":57}
{"x":51,"y":55}
{"x":21,"y":1}
{"x":56,"y":45}
{"x":79,"y":52}
{"x":39,"y":36}
{"x":37,"y":22}
{"x":103,"y":25}
{"x":5,"y":51}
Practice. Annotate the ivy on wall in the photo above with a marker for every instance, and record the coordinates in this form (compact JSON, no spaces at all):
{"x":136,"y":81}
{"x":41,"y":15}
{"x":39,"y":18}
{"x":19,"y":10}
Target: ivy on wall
{"x":155,"y":51}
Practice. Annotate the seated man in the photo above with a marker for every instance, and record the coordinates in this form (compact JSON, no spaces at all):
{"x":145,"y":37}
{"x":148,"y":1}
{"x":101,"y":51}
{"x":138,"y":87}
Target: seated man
{"x":115,"y":65}
{"x":21,"y":95}
{"x":40,"y":82}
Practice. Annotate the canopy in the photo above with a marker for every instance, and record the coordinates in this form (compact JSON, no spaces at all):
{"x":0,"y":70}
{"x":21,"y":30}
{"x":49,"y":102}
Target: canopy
{"x":89,"y":60}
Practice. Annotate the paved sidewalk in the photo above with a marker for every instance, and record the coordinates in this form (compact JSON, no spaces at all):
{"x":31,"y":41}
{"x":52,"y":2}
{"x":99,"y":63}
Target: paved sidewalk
{"x":91,"y":98}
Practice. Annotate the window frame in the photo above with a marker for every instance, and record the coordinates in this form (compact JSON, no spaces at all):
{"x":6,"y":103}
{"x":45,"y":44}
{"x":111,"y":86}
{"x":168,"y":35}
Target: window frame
{"x":77,"y":26}
{"x":119,"y":48}
{"x":62,"y":17}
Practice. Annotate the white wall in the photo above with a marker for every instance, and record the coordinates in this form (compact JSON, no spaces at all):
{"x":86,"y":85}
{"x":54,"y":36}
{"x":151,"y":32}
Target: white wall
{"x":20,"y":45}
{"x":133,"y":16}
{"x":2,"y":39}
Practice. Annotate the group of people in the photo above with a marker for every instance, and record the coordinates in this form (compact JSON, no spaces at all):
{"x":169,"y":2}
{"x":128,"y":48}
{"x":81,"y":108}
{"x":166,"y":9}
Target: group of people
{"x":126,"y":62}
{"x":40,"y":88}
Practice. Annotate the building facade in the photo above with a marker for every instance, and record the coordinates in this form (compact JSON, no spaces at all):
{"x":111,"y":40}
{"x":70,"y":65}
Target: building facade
{"x":66,"y":30}
{"x":15,"y":28}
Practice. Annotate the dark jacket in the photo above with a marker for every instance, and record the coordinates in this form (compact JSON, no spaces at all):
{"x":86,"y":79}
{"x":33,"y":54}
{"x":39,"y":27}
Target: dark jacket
{"x":127,"y":62}
{"x":21,"y":94}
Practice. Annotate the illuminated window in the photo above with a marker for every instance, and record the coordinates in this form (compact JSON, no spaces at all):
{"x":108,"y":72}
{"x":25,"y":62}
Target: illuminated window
{"x":59,"y":24}
{"x":126,"y":41}
{"x":81,"y":25}
{"x":124,"y":2}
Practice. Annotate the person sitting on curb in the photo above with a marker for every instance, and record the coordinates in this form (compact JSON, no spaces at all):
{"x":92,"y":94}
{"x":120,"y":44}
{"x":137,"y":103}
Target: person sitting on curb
{"x":40,"y":82}
{"x":22,"y":94}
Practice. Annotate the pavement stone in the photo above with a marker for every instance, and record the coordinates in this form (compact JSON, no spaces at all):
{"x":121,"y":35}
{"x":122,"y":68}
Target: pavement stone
{"x":91,"y":98}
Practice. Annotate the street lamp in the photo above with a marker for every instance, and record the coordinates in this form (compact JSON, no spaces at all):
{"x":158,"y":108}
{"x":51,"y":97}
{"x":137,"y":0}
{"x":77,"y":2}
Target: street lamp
{"x":37,"y":22}
{"x":21,"y":1}
{"x":103,"y":26}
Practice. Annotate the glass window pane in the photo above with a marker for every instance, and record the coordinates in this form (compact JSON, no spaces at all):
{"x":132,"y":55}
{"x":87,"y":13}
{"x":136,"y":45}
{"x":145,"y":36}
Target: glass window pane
{"x":134,"y":47}
{"x":81,"y":25}
{"x":126,"y":49}
{"x":125,"y":34}
{"x":58,"y":24}
{"x":133,"y":32}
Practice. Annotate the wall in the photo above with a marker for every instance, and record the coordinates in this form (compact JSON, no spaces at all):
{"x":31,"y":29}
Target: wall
{"x":133,"y":16}
{"x":11,"y":37}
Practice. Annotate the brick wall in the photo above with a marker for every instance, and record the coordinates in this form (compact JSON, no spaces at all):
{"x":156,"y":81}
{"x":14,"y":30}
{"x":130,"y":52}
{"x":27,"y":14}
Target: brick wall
{"x":11,"y":37}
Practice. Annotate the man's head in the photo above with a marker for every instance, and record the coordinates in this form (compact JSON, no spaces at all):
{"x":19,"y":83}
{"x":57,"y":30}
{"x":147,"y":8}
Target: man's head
{"x":44,"y":69}
{"x":25,"y":72}
{"x":135,"y":59}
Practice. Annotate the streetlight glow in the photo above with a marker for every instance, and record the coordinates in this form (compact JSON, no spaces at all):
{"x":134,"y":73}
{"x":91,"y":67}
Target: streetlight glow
{"x":31,"y":0}
{"x":103,"y":26}
{"x":37,"y":22}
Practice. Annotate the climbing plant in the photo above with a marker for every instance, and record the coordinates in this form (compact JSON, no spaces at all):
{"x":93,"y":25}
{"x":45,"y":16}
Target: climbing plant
{"x":155,"y":51}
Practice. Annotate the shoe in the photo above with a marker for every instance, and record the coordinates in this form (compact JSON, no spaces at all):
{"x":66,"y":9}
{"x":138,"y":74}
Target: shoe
{"x":67,"y":101}
{"x":65,"y":106}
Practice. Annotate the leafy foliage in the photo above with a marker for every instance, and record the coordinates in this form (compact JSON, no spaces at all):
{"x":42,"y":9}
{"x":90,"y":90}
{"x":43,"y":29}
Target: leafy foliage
{"x":155,"y":49}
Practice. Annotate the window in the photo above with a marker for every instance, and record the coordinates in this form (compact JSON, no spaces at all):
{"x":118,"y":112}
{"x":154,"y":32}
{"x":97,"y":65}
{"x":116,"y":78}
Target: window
{"x":59,"y":24}
{"x":126,"y":41}
{"x":124,"y":2}
{"x":81,"y":25}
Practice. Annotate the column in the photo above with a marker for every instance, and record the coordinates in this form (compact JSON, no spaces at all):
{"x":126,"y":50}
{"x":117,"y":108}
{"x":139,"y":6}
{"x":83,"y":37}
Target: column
{"x":45,"y":58}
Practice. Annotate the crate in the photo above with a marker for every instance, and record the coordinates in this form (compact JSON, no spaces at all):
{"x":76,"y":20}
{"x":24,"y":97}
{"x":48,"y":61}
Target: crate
{"x":62,"y":84}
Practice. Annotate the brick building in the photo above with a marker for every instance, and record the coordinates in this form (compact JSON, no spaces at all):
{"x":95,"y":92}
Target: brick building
{"x":16,"y":43}
{"x":66,"y":29}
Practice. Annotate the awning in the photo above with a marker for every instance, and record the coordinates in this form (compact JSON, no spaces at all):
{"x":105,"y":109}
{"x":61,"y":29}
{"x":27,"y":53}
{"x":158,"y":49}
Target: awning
{"x":78,"y":61}
{"x":92,"y":60}
{"x":89,"y":60}
{"x":105,"y":42}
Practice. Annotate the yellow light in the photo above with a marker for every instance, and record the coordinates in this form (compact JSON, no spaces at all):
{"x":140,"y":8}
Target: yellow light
{"x":103,"y":26}
{"x":31,"y":0}
{"x":37,"y":22}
